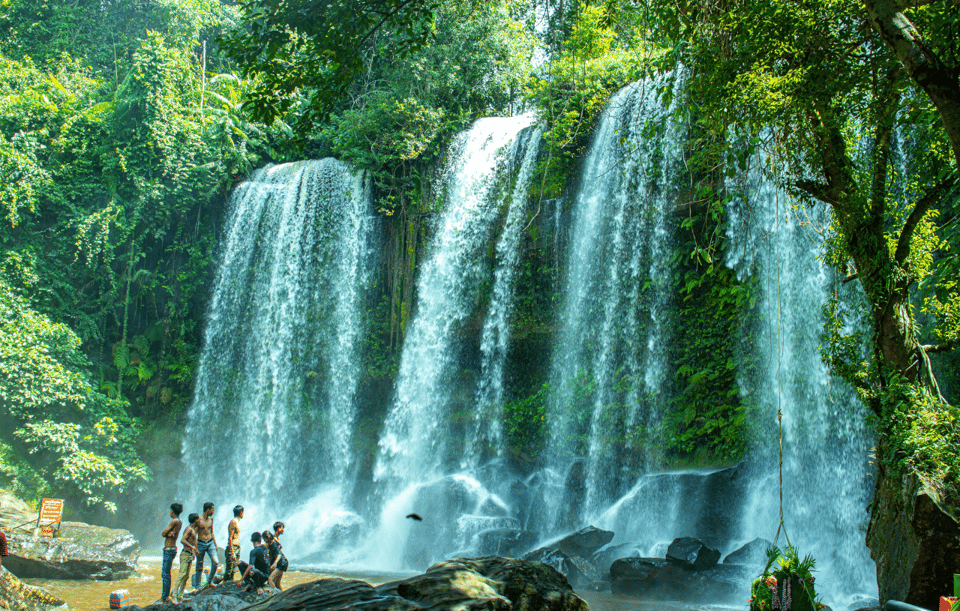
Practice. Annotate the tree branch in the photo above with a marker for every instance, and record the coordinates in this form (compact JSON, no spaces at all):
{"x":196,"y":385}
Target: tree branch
{"x":905,"y":4}
{"x":922,"y":64}
{"x":916,"y":215}
{"x":935,"y":348}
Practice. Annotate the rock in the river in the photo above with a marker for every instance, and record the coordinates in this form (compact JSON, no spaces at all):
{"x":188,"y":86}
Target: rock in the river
{"x":81,"y":551}
{"x":225,"y":597}
{"x":488,"y":583}
{"x":18,"y":596}
{"x":507,"y":542}
{"x":913,"y":541}
{"x":691,"y":554}
{"x":578,"y":571}
{"x":752,"y":554}
{"x":584,"y":542}
{"x":603,"y":558}
{"x":657,"y":579}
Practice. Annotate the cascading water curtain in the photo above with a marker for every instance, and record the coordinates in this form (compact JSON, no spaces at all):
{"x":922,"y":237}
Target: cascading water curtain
{"x":444,"y":421}
{"x":608,"y":366}
{"x":826,"y":475}
{"x":274,"y":407}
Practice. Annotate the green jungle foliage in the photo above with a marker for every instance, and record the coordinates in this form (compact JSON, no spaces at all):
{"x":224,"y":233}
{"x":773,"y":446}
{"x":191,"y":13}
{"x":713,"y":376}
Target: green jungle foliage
{"x":116,"y":151}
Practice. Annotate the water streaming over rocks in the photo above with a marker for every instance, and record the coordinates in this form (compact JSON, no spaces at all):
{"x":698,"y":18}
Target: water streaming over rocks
{"x":608,"y":361}
{"x":417,"y":444}
{"x":280,"y":361}
{"x":424,"y":441}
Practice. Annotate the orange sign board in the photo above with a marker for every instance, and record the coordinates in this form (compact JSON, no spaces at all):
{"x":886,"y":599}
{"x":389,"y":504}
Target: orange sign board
{"x":46,"y":530}
{"x":51,"y":511}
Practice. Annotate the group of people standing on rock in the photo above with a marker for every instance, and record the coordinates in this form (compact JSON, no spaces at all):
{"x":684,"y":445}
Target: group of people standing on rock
{"x":267,"y":562}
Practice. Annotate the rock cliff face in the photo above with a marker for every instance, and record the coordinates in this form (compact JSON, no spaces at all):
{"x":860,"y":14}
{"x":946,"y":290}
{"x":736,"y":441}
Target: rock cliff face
{"x":913,"y":541}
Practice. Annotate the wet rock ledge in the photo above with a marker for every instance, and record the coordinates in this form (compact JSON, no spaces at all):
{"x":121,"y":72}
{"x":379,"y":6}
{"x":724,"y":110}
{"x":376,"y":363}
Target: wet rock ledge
{"x":489,"y":583}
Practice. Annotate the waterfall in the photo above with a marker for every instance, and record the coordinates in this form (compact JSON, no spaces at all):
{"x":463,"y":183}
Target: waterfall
{"x":415,"y":445}
{"x":274,"y":406}
{"x":445,"y":417}
{"x":495,"y":339}
{"x":827,"y":483}
{"x":608,"y":366}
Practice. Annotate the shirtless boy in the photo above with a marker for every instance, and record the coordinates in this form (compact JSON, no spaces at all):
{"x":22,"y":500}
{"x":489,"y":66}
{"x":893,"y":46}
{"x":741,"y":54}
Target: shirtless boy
{"x":206,"y":544}
{"x":233,"y":543}
{"x":170,"y":534}
{"x":189,"y":552}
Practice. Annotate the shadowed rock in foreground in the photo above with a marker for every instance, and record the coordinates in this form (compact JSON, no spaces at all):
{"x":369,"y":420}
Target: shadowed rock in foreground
{"x":488,"y":583}
{"x":18,"y":596}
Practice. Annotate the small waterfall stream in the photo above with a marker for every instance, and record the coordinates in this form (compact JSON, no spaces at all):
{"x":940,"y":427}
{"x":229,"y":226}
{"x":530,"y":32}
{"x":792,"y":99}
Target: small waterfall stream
{"x":416,"y":445}
{"x":443,"y":425}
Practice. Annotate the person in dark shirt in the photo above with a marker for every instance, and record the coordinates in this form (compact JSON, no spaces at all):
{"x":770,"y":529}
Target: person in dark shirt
{"x":255,"y":573}
{"x":278,"y":562}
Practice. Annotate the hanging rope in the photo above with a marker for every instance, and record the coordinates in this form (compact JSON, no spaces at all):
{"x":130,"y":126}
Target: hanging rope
{"x":781,"y":526}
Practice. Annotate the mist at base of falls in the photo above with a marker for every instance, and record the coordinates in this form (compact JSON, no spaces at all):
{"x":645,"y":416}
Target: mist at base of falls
{"x":280,"y":422}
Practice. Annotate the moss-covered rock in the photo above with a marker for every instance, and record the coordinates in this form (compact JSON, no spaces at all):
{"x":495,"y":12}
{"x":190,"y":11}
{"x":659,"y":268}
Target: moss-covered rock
{"x":912,"y":539}
{"x":18,"y":596}
{"x":489,"y":583}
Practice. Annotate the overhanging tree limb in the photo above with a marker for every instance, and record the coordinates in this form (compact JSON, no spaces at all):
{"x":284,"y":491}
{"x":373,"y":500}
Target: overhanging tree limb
{"x":932,"y":196}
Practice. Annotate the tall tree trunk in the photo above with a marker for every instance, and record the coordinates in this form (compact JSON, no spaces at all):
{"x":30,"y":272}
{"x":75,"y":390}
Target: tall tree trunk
{"x":923,"y":65}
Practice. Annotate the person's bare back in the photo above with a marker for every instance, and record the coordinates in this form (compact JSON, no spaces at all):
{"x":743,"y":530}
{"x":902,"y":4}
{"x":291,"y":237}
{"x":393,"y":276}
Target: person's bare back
{"x":189,"y":539}
{"x":233,"y":533}
{"x":171,"y":532}
{"x":204,"y":527}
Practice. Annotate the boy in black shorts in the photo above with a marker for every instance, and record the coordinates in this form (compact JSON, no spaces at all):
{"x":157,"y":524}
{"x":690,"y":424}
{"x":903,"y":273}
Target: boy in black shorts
{"x":255,"y":574}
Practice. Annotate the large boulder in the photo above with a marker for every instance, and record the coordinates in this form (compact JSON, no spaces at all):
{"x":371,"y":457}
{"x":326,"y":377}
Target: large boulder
{"x":604,"y":557}
{"x":691,"y":554}
{"x":488,"y":583}
{"x":584,"y":542}
{"x":751,"y":554}
{"x":18,"y":596}
{"x":912,"y":540}
{"x":658,"y":579}
{"x":14,"y":512}
{"x":80,"y":551}
{"x":578,"y":570}
{"x":226,"y":597}
{"x":507,"y":542}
